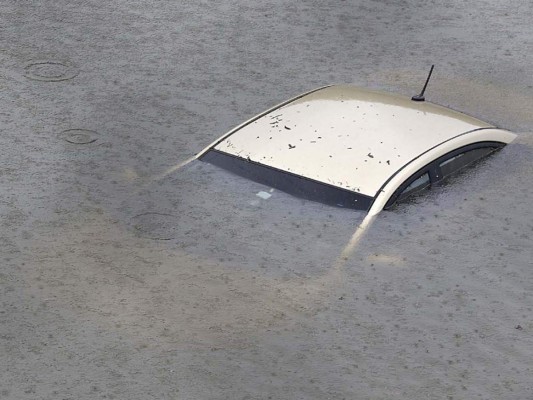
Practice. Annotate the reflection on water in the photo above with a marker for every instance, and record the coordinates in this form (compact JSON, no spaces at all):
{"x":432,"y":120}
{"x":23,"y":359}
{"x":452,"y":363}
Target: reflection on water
{"x":212,"y":213}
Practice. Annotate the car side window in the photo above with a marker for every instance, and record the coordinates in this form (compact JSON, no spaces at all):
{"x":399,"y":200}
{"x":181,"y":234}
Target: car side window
{"x":417,"y":185}
{"x":462,"y":160}
{"x":442,"y":168}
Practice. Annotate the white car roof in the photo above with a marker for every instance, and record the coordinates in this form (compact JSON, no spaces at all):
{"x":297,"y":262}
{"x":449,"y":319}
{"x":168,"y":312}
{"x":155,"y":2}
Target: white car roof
{"x":344,"y":136}
{"x":347,"y":146}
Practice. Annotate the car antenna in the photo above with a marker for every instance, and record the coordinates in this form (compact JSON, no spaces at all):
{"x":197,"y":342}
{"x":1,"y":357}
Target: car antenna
{"x":420,"y":97}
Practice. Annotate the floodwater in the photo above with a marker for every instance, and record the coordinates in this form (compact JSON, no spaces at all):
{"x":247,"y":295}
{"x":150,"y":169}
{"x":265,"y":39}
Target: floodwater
{"x":125,"y":274}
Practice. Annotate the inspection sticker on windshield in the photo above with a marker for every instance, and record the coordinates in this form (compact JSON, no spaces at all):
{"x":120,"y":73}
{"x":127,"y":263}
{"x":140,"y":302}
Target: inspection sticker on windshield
{"x":264,"y":195}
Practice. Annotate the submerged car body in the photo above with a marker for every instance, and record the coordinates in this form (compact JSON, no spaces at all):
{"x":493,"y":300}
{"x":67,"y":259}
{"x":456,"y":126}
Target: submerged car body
{"x":354,"y":147}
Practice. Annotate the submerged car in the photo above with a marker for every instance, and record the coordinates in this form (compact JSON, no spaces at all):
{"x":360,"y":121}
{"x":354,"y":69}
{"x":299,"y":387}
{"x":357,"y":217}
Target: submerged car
{"x":353,"y":147}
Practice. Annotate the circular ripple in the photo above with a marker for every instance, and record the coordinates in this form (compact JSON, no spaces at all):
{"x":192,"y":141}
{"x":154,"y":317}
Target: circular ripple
{"x":80,"y":136}
{"x":156,"y":226}
{"x":50,"y":71}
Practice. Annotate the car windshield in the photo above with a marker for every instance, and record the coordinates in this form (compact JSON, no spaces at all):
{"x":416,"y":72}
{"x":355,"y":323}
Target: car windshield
{"x":293,"y":184}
